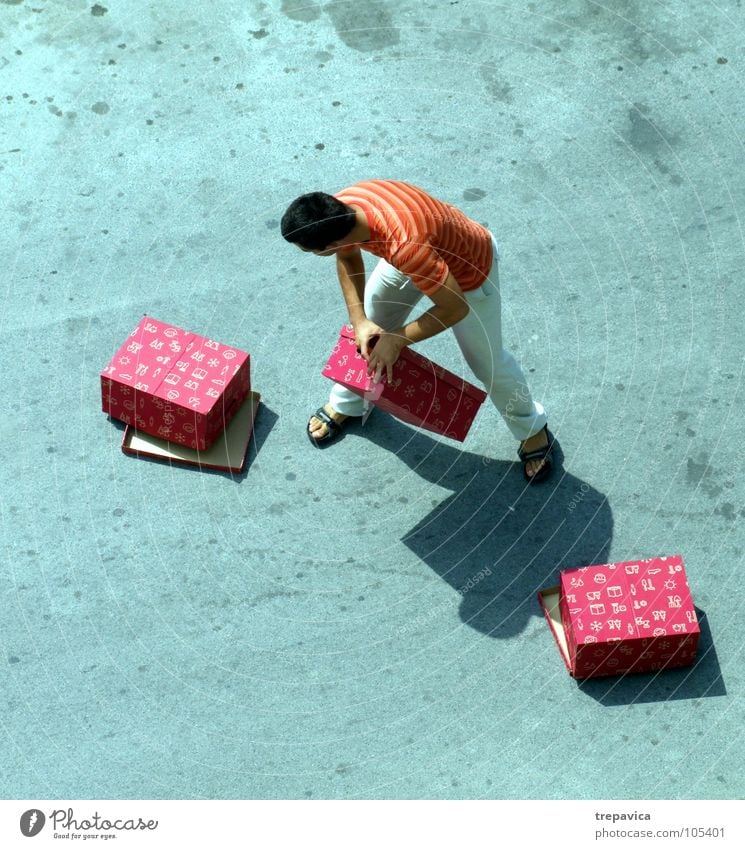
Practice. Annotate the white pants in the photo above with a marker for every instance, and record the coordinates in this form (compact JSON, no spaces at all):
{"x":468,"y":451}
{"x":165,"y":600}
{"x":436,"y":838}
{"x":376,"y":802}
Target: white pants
{"x":389,"y":299}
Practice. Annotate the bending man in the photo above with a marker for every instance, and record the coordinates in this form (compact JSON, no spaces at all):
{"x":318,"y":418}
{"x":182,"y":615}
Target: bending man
{"x":426,"y":247}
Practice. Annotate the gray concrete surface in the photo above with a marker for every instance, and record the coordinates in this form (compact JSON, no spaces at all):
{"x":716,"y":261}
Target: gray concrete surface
{"x":297,"y":631}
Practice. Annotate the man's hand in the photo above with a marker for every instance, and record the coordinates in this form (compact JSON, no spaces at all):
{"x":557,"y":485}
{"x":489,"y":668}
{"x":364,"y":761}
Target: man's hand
{"x":365,"y":331}
{"x":383,"y":356}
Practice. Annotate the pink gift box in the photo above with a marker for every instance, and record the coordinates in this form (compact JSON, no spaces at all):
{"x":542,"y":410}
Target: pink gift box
{"x":421,"y":393}
{"x":615,"y":618}
{"x":174,"y":384}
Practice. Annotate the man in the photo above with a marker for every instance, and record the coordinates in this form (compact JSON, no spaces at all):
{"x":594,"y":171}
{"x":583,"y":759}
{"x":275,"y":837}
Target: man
{"x":426,"y":247}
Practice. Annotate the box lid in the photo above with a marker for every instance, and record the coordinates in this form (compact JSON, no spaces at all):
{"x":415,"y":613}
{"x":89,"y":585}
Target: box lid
{"x":635,"y":599}
{"x":175,"y":365}
{"x":227,"y":453}
{"x":598,"y":604}
{"x":415,"y":360}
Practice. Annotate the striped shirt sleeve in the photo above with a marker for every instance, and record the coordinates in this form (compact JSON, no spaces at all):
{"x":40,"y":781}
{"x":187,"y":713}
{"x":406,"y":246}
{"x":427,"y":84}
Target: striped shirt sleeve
{"x":421,"y":262}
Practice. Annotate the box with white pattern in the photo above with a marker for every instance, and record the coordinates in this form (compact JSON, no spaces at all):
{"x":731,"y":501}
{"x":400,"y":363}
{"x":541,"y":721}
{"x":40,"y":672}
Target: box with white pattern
{"x":421,"y":393}
{"x":174,"y":384}
{"x":635,"y":616}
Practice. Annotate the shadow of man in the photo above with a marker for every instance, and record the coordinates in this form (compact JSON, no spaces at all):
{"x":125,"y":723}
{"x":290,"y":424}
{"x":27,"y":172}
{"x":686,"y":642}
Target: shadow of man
{"x":497,"y":540}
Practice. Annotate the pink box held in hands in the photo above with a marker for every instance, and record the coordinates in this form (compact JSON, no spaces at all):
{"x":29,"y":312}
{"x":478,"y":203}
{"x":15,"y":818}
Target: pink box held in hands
{"x":174,"y":384}
{"x":636,"y":616}
{"x":421,"y":393}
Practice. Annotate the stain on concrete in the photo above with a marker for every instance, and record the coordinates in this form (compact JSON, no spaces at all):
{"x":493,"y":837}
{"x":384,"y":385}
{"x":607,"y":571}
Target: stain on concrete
{"x":100,"y":108}
{"x":699,"y":474}
{"x":365,"y":27}
{"x":727,"y":510}
{"x":98,"y":11}
{"x":301,"y":10}
{"x":495,"y":85}
{"x":12,"y":2}
{"x":645,"y":135}
{"x":474,"y":194}
{"x":697,"y":471}
{"x":465,"y":39}
{"x":260,"y":33}
{"x":549,"y":46}
{"x":675,"y":179}
{"x":615,"y":32}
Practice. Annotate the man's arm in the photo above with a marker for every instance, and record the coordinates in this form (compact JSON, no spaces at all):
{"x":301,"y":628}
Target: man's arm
{"x":350,"y":268}
{"x":449,"y":308}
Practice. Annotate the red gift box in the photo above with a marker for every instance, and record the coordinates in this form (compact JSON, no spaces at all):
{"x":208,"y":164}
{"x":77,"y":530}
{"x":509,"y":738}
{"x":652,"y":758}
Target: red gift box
{"x":636,"y":616}
{"x":174,"y":384}
{"x":421,"y":392}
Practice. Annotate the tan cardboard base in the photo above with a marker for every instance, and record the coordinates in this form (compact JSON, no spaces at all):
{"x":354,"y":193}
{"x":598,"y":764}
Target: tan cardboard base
{"x":550,"y":603}
{"x":228,"y":452}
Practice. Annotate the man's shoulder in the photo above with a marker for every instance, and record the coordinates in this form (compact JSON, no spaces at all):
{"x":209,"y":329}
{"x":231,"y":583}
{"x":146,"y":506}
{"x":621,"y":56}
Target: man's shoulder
{"x":376,"y":186}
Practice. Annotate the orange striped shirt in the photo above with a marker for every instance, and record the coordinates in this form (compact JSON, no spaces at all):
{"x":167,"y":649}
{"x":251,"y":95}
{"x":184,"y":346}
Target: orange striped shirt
{"x":421,"y":236}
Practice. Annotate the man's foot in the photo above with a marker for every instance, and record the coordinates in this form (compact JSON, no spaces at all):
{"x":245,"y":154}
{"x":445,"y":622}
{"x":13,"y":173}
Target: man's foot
{"x":535,"y":452}
{"x":325,"y":424}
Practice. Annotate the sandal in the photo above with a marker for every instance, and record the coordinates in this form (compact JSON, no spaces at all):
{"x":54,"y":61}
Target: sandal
{"x":332,"y":432}
{"x":545,"y":453}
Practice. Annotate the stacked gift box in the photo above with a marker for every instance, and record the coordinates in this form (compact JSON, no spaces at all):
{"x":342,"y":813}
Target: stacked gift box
{"x":181,"y":391}
{"x":614,"y":618}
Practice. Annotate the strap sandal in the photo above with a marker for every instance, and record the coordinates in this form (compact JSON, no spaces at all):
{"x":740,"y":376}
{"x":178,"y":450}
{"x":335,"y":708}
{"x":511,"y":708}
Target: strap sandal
{"x":545,"y":453}
{"x":333,"y":429}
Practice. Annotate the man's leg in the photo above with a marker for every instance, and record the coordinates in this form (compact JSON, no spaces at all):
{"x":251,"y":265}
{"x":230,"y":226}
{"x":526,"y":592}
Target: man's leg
{"x":479,"y":336}
{"x":389,"y":298}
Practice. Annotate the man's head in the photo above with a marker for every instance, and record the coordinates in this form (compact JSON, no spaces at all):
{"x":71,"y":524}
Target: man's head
{"x":317,"y":222}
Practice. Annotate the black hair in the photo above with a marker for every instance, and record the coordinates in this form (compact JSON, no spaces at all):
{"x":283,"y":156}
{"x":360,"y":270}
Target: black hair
{"x":316,"y":219}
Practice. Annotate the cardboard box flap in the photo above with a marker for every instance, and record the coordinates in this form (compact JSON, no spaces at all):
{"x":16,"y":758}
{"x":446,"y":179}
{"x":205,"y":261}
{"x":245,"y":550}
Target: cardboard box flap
{"x":414,"y":360}
{"x":458,"y":384}
{"x":661,"y":596}
{"x":175,"y":365}
{"x":199,"y":377}
{"x":599,"y":604}
{"x":142,"y":362}
{"x":420,"y":392}
{"x":549,"y":600}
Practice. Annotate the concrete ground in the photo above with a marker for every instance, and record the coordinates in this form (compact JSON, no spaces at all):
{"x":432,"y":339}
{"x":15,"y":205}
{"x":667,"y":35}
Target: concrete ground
{"x":298,"y":631}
